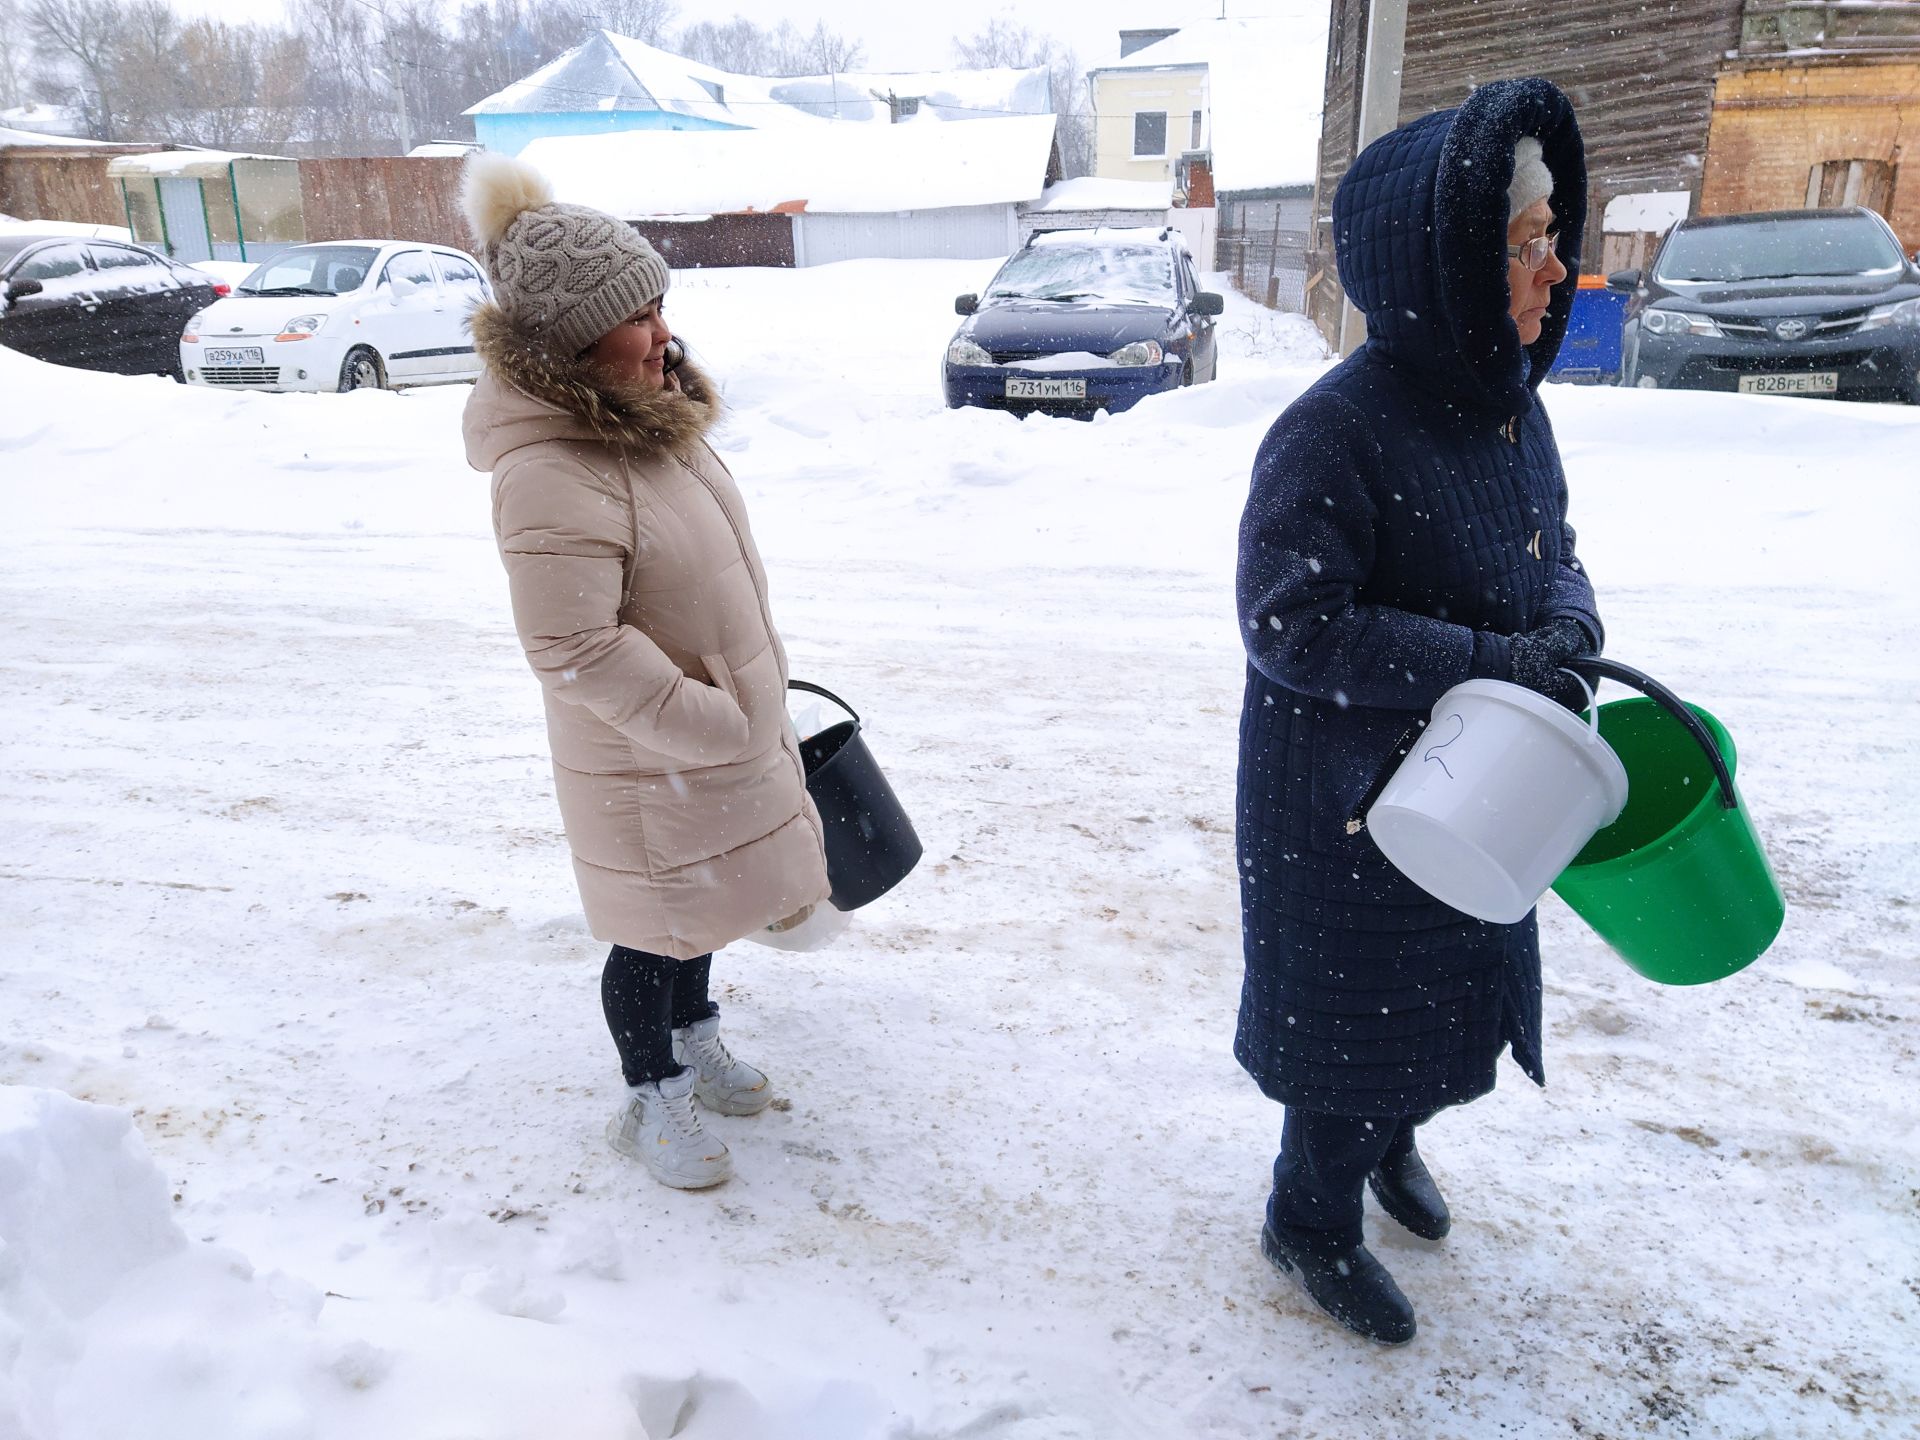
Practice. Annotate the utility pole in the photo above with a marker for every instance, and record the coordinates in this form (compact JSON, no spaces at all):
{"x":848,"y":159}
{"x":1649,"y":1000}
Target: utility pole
{"x":1381,"y":64}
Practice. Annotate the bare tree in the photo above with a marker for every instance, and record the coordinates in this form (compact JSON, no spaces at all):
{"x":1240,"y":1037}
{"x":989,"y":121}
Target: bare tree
{"x":1005,"y":44}
{"x":147,"y":71}
{"x":745,"y":48}
{"x":13,"y":55}
{"x":819,"y":51}
{"x":648,"y":21}
{"x":78,"y":37}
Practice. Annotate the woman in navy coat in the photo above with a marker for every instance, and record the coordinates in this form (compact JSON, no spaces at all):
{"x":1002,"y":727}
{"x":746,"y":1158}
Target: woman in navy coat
{"x":1406,"y":531}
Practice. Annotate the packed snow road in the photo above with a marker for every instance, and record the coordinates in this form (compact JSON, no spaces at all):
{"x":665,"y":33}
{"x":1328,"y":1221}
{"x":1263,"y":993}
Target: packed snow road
{"x":281,"y":877}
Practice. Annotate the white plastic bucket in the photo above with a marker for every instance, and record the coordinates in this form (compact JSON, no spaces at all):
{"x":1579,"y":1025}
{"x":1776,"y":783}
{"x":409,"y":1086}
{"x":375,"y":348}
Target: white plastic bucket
{"x":1499,"y":793}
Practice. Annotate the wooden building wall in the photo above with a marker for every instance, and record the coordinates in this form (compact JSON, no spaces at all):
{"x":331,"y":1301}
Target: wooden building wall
{"x":1640,"y":73}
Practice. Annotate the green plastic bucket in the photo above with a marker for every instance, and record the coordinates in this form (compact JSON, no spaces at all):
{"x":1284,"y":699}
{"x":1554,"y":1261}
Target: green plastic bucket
{"x":1679,"y":885}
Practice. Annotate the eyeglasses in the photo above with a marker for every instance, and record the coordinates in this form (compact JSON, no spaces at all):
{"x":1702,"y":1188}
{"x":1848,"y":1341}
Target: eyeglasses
{"x":1534,"y":253}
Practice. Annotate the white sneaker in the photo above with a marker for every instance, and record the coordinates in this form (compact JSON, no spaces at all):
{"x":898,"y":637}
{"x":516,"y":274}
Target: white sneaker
{"x":725,"y":1085}
{"x":658,"y":1127}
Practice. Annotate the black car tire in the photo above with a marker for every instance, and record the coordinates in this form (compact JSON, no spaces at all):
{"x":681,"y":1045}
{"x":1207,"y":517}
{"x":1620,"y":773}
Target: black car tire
{"x":362,"y":370}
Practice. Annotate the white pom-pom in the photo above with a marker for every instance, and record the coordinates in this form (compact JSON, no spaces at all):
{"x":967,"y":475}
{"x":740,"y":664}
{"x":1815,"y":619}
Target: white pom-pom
{"x":495,"y":190}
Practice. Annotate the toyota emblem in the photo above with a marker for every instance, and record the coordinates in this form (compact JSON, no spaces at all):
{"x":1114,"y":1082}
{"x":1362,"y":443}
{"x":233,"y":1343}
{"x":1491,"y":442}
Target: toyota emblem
{"x":1790,"y":329}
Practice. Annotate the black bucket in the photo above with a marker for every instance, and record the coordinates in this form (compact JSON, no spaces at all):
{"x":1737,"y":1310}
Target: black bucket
{"x":871,"y":845}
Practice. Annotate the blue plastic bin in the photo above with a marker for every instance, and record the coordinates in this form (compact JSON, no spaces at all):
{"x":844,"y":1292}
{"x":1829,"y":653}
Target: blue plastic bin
{"x":1591,"y":352}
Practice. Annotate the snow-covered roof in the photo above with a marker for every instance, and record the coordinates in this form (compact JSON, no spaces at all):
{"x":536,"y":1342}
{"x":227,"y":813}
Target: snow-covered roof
{"x":443,"y":149}
{"x":1265,"y":82}
{"x":610,"y":72}
{"x":37,"y":119}
{"x":189,"y":164}
{"x":10,"y":138}
{"x":943,"y":94}
{"x":825,"y":167}
{"x":1093,"y":193}
{"x":1655,"y":210}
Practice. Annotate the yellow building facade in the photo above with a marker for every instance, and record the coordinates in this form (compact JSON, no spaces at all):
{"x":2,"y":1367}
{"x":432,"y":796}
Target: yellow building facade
{"x":1145,"y":120}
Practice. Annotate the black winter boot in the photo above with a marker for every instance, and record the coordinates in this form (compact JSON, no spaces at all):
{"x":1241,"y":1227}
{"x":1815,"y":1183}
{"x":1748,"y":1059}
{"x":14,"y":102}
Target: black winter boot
{"x":1354,"y":1288}
{"x":1406,"y":1191}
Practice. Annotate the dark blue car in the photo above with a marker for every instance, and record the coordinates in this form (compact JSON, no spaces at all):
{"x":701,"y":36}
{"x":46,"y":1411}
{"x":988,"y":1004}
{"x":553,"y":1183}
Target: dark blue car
{"x":1080,"y":321}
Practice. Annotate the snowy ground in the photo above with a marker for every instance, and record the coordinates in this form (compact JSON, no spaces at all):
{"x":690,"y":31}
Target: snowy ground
{"x":281,"y":878}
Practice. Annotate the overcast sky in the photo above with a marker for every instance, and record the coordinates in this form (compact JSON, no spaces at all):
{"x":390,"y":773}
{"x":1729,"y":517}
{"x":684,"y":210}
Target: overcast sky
{"x":905,"y":35}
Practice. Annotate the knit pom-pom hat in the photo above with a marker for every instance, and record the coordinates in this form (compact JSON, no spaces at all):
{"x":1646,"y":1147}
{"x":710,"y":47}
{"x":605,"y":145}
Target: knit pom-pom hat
{"x":1531,"y":179}
{"x":564,"y":275}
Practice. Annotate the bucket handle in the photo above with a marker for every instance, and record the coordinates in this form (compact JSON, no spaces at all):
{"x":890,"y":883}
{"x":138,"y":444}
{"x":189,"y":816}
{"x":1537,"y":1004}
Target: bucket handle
{"x":1603,"y":669}
{"x":1593,"y":702}
{"x":824,"y":694}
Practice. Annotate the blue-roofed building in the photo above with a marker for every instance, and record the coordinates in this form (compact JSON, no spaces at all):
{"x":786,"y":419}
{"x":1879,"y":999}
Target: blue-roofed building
{"x":610,"y":84}
{"x":604,"y":85}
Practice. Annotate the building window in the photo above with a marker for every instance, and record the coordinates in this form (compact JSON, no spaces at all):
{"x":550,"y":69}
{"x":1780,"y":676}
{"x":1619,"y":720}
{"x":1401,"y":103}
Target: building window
{"x":1194,"y":143}
{"x":1838,"y":183}
{"x":1150,"y":132}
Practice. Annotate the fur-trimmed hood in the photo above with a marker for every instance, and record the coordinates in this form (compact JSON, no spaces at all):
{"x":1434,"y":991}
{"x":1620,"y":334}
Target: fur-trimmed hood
{"x":529,"y":395}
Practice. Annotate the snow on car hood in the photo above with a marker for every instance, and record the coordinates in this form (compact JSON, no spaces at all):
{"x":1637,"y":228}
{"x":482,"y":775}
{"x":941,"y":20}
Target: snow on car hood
{"x":1052,"y":327}
{"x":249,"y":315}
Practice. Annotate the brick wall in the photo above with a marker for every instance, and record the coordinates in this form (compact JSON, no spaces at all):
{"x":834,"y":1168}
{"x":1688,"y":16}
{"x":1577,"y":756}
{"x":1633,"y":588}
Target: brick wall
{"x":1770,"y":126}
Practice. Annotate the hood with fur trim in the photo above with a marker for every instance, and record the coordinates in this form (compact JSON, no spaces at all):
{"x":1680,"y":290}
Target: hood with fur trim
{"x":529,"y":395}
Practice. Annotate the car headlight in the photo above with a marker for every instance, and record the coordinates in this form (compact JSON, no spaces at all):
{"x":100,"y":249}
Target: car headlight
{"x":301,"y":326}
{"x":1140,"y":352}
{"x":1907,"y":312}
{"x":967,"y":352}
{"x":1675,"y":322}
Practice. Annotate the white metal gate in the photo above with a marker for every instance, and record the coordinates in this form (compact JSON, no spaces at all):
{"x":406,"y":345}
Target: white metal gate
{"x":185,"y":215}
{"x":960,"y":232}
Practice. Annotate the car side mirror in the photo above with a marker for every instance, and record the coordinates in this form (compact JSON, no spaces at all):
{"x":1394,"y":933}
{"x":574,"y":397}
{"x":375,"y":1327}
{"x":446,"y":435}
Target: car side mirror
{"x":21,"y":289}
{"x":1208,"y":303}
{"x":400,"y":288}
{"x":1628,"y":280}
{"x":966,"y":304}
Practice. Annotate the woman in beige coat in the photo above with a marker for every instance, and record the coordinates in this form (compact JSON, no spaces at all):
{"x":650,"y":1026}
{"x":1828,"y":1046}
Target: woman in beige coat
{"x":641,"y":602}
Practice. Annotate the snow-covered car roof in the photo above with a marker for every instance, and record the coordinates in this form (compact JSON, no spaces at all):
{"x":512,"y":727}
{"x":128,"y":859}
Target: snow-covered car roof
{"x":1115,"y":237}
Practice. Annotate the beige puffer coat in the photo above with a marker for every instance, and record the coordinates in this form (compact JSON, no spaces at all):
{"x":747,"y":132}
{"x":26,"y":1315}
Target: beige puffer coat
{"x":642,"y":605}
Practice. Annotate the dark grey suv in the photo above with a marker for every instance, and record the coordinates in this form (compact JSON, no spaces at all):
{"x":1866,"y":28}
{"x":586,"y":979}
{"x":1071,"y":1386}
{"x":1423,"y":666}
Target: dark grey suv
{"x":1797,"y":302}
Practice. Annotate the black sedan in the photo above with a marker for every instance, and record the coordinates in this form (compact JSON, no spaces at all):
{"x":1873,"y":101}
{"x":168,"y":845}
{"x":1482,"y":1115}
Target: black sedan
{"x":1797,"y":302}
{"x":1082,"y":321}
{"x":97,"y":304}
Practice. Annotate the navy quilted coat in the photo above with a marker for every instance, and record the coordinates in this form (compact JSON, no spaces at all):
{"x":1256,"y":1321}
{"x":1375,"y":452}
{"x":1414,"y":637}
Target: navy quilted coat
{"x":1407,"y":517}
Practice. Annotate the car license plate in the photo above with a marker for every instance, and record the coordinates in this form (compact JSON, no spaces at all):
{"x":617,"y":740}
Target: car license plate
{"x":1817,"y":382}
{"x":1046,"y":389}
{"x":232,"y":357}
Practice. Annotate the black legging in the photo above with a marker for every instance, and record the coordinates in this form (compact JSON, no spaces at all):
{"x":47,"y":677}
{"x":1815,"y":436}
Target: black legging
{"x":647,"y":997}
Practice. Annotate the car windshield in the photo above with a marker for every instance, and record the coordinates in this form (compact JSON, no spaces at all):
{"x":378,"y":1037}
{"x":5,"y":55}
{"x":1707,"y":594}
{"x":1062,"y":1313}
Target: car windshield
{"x":312,"y":270}
{"x":1134,"y":275}
{"x":1806,"y":246}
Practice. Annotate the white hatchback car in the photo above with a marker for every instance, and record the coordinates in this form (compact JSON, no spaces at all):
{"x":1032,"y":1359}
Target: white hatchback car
{"x":346,"y":315}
